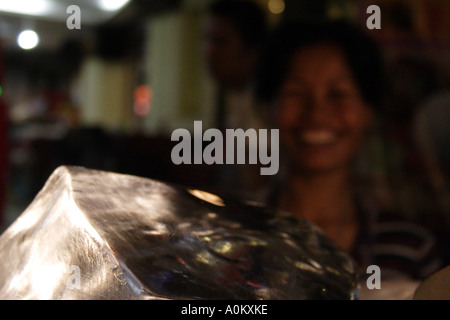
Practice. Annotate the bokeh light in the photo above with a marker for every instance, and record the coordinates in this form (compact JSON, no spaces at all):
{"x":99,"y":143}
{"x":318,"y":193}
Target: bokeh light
{"x":276,"y":6}
{"x":142,"y":100}
{"x":112,"y":5}
{"x":28,"y":39}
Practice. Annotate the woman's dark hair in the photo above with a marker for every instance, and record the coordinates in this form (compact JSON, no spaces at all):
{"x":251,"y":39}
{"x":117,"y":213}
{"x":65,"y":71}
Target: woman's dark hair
{"x":361,"y":54}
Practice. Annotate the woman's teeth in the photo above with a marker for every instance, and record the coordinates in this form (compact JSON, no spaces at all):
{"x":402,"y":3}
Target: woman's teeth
{"x":318,"y":137}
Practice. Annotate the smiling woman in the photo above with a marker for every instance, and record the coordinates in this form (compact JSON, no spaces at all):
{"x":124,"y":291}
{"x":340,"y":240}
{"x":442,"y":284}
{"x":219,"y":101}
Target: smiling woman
{"x":321,"y":111}
{"x":322,"y":85}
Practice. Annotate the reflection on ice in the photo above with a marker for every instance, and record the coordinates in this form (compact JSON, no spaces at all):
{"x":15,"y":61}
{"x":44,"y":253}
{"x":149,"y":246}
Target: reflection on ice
{"x":136,"y":238}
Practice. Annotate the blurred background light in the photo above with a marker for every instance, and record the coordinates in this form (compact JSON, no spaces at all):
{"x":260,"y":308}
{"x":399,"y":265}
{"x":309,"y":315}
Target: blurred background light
{"x":112,"y":5}
{"x":94,"y":12}
{"x":28,"y":39}
{"x":28,"y":7}
{"x":142,"y":100}
{"x":276,"y":6}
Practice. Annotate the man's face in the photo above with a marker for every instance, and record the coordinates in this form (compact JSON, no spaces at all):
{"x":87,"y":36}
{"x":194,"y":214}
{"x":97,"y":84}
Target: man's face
{"x":228,"y":57}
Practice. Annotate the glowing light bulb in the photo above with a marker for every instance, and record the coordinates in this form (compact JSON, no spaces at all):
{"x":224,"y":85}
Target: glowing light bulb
{"x":28,"y":39}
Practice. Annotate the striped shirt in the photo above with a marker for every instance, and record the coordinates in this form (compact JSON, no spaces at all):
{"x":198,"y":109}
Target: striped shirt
{"x":400,"y":247}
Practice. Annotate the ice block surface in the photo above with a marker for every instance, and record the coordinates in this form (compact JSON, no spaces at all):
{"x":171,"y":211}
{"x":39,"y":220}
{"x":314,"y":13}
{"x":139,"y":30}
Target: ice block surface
{"x":92,"y":234}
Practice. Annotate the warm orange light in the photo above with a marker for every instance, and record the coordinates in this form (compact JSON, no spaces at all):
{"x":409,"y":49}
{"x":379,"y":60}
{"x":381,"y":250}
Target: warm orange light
{"x":276,"y":6}
{"x":143,"y":95}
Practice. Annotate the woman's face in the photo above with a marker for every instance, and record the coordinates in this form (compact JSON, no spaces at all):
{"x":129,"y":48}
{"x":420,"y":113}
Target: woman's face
{"x":321,"y":114}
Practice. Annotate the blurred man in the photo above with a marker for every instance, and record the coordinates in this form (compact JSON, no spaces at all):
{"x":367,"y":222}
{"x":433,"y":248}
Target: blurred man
{"x":235,"y":31}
